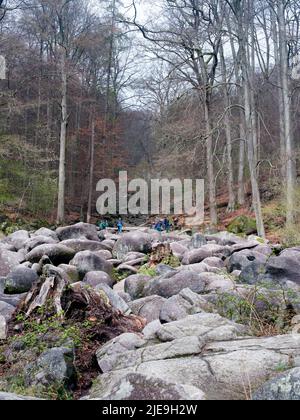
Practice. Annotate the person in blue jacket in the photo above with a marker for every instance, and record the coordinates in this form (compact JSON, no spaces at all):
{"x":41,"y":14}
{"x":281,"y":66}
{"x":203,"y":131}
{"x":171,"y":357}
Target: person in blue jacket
{"x":120,"y":226}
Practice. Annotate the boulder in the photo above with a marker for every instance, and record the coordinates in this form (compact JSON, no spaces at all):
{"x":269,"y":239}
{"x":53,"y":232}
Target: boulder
{"x":115,"y":300}
{"x":45,"y":233}
{"x":211,"y":327}
{"x":79,"y":245}
{"x":127,"y":269}
{"x":206,"y":251}
{"x":87,"y":261}
{"x":178,"y":250}
{"x":284,"y":268}
{"x":20,"y":280}
{"x":71,"y":271}
{"x":7,"y":396}
{"x":163,"y":269}
{"x":139,"y":387}
{"x":173,"y":283}
{"x":284,"y":387}
{"x":148,"y":308}
{"x":216,"y":282}
{"x":105,"y":254}
{"x":132,"y":256}
{"x":17,"y":239}
{"x":13,"y":300}
{"x":240,"y":260}
{"x":3,"y":328}
{"x":8,"y":261}
{"x":134,"y":285}
{"x":78,"y":231}
{"x":58,"y":254}
{"x":6,"y":310}
{"x":94,"y":278}
{"x":224,"y":238}
{"x":132,"y":242}
{"x":37,"y":241}
{"x":53,"y":368}
{"x":182,"y":305}
{"x":204,"y":351}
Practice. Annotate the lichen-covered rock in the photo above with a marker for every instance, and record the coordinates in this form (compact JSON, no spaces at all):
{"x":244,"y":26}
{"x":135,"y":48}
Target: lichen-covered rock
{"x":20,"y":281}
{"x":54,"y":367}
{"x":139,"y":387}
{"x":134,"y":285}
{"x":284,"y":387}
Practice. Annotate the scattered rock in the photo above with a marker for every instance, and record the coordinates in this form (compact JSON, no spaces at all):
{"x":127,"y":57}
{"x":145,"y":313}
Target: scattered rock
{"x":134,"y":285}
{"x":132,"y":242}
{"x":185,"y":304}
{"x":20,"y":280}
{"x":58,"y":254}
{"x":285,"y":387}
{"x":79,"y":245}
{"x":94,"y":278}
{"x":8,"y":261}
{"x":115,"y":300}
{"x":3,"y":328}
{"x":17,"y":239}
{"x":139,"y":387}
{"x":87,"y":261}
{"x":206,"y":251}
{"x":172,"y":284}
{"x":148,"y":308}
{"x":54,"y":367}
{"x":6,"y":310}
{"x":78,"y":231}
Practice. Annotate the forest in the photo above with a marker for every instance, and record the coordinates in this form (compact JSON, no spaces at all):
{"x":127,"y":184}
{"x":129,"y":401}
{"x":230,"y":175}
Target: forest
{"x":184,"y":89}
{"x":149,"y":202}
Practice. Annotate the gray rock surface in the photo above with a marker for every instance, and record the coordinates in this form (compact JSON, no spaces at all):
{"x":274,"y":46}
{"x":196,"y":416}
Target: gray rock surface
{"x":132,"y":242}
{"x":87,"y":261}
{"x":20,"y":280}
{"x":284,"y":387}
{"x":58,"y":254}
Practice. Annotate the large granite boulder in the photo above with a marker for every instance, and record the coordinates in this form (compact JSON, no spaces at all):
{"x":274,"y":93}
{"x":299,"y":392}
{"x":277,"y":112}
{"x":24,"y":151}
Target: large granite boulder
{"x":20,"y":280}
{"x":78,"y":231}
{"x":284,"y":387}
{"x":87,"y":261}
{"x":8,"y":261}
{"x":173,"y":283}
{"x":132,"y":242}
{"x":57,"y":253}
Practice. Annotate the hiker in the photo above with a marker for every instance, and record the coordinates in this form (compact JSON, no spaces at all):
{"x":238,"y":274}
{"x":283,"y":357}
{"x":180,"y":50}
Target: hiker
{"x":167,"y":225}
{"x":120,"y":226}
{"x":159,"y":226}
{"x":102,"y":225}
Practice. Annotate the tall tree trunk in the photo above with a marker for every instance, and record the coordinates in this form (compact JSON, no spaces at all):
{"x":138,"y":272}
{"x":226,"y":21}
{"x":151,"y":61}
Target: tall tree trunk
{"x":231,"y":201}
{"x":210,"y":166}
{"x":63,"y":137}
{"x":92,"y":164}
{"x":289,"y":147}
{"x":242,"y":129}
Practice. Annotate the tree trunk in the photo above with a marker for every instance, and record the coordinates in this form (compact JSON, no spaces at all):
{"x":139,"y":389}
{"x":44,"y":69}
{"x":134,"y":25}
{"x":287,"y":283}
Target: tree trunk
{"x":63,"y":136}
{"x":92,"y":164}
{"x":231,"y":201}
{"x":290,"y":164}
{"x":210,"y":167}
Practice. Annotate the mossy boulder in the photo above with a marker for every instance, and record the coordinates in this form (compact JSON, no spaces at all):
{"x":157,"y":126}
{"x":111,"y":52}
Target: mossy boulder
{"x":243,"y":225}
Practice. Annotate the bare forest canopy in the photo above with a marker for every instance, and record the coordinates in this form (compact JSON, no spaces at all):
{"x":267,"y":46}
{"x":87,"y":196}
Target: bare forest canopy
{"x":183,"y":88}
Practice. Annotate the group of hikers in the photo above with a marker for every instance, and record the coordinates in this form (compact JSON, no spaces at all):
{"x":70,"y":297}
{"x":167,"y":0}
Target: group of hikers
{"x":103,"y":224}
{"x":163,"y":225}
